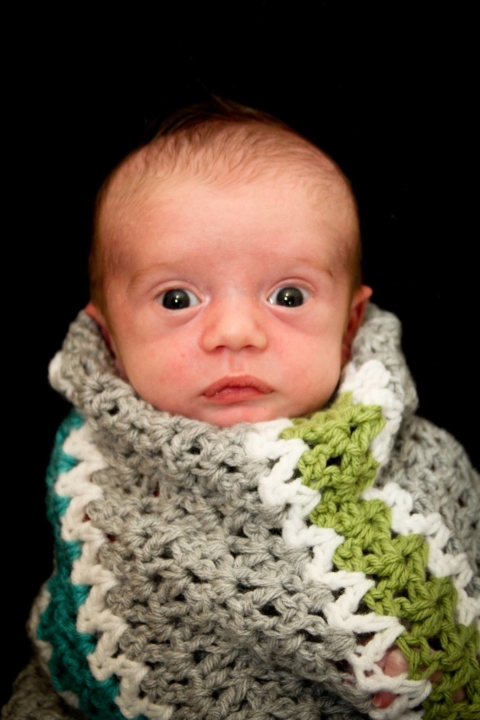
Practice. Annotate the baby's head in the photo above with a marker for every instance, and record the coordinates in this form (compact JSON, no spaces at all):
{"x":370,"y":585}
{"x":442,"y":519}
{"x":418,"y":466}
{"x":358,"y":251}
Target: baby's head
{"x":225,"y":269}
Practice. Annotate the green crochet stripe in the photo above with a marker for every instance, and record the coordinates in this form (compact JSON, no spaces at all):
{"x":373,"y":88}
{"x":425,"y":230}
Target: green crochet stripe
{"x":68,"y":665}
{"x":340,"y":464}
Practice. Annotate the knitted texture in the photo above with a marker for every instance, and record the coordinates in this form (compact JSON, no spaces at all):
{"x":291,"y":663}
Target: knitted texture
{"x":339,"y":464}
{"x":34,"y":698}
{"x":258,"y":572}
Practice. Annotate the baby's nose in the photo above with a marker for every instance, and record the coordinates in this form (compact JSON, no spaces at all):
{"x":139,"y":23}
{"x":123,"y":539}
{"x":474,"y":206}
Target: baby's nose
{"x":234,"y":323}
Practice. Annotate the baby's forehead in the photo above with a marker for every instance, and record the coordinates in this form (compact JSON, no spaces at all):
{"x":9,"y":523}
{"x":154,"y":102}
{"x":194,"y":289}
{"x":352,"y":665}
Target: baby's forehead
{"x":280,"y":156}
{"x":278,"y":159}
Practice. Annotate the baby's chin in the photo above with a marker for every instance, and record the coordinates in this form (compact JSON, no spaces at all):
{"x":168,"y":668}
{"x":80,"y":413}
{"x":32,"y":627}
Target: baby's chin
{"x":237,"y":417}
{"x":235,"y":414}
{"x":224,"y":408}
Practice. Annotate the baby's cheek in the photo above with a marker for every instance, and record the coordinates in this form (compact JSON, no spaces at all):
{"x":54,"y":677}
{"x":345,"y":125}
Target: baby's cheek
{"x":313,"y":396}
{"x":166,"y":380}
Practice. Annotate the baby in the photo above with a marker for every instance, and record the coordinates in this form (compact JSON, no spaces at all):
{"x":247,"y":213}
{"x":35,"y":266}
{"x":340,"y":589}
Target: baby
{"x":225,"y":276}
{"x":221,"y":266}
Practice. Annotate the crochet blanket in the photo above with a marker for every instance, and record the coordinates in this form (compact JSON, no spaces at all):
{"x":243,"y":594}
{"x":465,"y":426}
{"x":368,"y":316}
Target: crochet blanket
{"x":257,"y":572}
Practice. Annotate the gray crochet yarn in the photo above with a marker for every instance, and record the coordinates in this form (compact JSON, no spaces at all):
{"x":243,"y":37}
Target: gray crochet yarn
{"x":426,"y":460}
{"x":34,"y":698}
{"x":206,"y":598}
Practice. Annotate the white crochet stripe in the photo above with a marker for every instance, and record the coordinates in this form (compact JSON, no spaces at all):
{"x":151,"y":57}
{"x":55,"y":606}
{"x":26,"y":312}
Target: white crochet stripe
{"x":436,"y":534}
{"x":55,"y":376}
{"x":370,"y":384}
{"x":94,"y":617}
{"x":280,"y":488}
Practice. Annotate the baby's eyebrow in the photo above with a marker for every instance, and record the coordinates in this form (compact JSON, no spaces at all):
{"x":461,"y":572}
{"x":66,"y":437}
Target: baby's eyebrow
{"x":142,"y":275}
{"x":146,"y":277}
{"x":321,"y":265}
{"x":296,"y":263}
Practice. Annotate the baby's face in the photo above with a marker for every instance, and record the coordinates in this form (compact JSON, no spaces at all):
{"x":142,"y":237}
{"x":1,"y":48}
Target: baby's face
{"x":233,"y":303}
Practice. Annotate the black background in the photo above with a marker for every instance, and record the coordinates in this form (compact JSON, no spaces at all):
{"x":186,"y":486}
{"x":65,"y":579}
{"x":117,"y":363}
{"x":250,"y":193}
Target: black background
{"x":389,"y":93}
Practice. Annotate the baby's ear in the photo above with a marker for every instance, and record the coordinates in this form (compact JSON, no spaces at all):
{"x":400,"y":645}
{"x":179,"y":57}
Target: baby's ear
{"x":357,"y":309}
{"x":96,"y":314}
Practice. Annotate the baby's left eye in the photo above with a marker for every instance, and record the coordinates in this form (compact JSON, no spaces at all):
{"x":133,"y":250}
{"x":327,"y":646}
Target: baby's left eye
{"x":178,"y":299}
{"x":289,"y":296}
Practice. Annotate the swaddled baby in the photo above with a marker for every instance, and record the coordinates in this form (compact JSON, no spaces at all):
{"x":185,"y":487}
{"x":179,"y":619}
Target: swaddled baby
{"x":226,"y":284}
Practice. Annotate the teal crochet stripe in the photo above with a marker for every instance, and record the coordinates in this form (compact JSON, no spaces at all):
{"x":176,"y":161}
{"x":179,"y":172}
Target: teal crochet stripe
{"x":69,"y":665}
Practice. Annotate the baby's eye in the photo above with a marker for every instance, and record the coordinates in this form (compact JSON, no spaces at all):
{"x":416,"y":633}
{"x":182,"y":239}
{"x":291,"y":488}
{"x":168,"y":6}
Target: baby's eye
{"x":289,"y":297}
{"x":178,"y":299}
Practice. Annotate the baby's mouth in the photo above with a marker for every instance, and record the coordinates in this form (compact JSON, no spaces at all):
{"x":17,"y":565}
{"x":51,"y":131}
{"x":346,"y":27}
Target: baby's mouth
{"x":236,"y":389}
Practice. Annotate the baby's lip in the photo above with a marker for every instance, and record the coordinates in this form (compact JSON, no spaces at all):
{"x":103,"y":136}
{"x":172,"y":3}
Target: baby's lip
{"x":237,"y":386}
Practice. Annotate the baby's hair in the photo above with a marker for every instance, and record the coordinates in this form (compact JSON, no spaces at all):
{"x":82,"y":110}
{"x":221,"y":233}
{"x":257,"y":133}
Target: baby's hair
{"x":205,"y":114}
{"x":218,"y":141}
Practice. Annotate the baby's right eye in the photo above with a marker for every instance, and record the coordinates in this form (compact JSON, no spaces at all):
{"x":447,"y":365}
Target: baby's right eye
{"x":289,"y":296}
{"x":178,"y":299}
